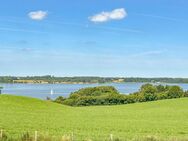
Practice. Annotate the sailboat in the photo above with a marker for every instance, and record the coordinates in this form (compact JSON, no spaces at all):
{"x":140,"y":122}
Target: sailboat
{"x":52,"y":92}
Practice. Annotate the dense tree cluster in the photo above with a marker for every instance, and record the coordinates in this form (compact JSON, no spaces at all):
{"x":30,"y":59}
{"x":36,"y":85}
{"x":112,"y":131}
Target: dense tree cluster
{"x":7,"y":79}
{"x":52,"y":79}
{"x":153,"y":80}
{"x":108,"y":95}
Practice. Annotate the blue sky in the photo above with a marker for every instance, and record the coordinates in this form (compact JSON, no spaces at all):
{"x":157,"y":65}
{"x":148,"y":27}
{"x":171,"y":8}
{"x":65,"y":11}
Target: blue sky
{"x":140,"y":38}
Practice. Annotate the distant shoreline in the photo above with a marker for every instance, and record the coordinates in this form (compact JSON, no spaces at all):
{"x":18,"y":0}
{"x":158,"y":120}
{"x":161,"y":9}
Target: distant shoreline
{"x":86,"y":80}
{"x":98,"y":83}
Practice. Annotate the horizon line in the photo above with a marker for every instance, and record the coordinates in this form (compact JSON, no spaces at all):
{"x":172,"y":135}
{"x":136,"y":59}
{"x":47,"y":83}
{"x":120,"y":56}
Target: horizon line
{"x":94,"y":76}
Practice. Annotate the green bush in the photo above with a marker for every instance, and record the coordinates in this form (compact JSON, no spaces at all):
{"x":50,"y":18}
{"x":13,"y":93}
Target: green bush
{"x":175,"y":92}
{"x":60,"y":99}
{"x":162,"y":95}
{"x":148,"y":89}
{"x":108,"y":95}
{"x":186,"y":93}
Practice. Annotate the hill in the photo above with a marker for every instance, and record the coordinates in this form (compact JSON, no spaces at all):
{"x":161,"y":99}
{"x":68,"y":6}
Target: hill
{"x":164,"y":119}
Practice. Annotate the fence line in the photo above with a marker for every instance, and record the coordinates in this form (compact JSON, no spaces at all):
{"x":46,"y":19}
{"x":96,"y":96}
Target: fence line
{"x":69,"y":137}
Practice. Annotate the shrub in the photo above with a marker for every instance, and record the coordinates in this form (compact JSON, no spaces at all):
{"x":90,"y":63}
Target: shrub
{"x":160,"y":88}
{"x":175,"y":92}
{"x":70,"y":102}
{"x":108,"y":95}
{"x":186,"y":93}
{"x":60,"y":99}
{"x":148,"y":89}
{"x":162,"y":95}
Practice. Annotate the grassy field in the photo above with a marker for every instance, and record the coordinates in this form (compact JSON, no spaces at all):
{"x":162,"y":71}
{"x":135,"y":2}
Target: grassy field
{"x":162,"y":119}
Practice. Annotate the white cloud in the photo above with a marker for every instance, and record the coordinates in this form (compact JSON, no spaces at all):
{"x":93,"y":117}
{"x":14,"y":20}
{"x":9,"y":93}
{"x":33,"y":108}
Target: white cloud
{"x":38,"y":15}
{"x":116,"y":14}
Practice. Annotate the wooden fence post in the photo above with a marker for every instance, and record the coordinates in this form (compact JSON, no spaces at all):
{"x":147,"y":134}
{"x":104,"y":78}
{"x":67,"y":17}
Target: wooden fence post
{"x":1,"y":134}
{"x":72,"y":136}
{"x":111,"y":137}
{"x":36,"y":136}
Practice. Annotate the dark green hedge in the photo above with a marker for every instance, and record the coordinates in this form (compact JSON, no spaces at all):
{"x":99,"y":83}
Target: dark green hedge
{"x":108,"y":95}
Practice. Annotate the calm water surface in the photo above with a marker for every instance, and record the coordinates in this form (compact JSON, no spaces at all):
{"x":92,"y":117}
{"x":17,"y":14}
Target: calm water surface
{"x":43,"y":90}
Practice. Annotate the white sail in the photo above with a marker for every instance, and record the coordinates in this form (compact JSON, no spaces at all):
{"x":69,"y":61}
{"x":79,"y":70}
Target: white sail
{"x":51,"y":92}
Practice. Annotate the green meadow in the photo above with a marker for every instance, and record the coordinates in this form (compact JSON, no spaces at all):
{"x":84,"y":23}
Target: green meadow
{"x":164,"y":119}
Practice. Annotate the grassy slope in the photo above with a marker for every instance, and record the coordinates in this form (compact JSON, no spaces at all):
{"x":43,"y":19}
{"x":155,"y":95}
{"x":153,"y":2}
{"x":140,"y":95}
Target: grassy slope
{"x":168,"y":118}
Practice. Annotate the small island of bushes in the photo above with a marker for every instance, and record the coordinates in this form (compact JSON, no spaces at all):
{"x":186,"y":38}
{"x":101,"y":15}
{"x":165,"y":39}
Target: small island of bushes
{"x":108,"y":95}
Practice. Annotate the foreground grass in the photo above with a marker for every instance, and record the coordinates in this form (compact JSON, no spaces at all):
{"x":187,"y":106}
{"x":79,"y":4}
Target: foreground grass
{"x":166,"y":119}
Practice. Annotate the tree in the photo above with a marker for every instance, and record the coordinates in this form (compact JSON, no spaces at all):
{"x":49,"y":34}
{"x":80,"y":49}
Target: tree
{"x":175,"y":92}
{"x":148,"y":88}
{"x":101,"y":95}
{"x":149,"y":92}
{"x":186,"y":94}
{"x":160,"y":88}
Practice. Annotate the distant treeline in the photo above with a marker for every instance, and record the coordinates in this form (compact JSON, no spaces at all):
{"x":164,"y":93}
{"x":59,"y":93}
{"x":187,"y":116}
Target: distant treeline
{"x":52,"y":79}
{"x":108,"y":95}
